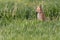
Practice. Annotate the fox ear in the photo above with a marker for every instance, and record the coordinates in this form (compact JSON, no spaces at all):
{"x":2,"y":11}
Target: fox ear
{"x":40,"y":6}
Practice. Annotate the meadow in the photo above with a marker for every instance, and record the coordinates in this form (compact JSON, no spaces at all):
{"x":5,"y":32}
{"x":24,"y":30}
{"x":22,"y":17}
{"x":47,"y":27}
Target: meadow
{"x":18,"y":20}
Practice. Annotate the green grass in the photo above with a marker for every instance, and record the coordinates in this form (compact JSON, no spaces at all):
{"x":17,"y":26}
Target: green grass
{"x":30,"y":30}
{"x":26,"y":9}
{"x":18,"y":20}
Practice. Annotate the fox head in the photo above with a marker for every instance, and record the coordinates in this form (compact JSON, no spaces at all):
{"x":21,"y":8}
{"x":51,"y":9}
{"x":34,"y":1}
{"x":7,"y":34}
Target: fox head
{"x":39,"y":9}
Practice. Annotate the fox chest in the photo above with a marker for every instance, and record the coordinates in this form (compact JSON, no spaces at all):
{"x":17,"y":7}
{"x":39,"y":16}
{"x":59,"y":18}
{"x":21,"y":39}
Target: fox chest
{"x":40,"y":16}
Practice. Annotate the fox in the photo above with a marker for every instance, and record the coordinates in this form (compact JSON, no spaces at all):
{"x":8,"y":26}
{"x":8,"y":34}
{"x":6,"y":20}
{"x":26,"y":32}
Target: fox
{"x":40,"y":13}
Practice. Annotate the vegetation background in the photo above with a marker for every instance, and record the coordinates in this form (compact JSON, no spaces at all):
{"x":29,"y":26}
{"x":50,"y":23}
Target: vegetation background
{"x":18,"y":20}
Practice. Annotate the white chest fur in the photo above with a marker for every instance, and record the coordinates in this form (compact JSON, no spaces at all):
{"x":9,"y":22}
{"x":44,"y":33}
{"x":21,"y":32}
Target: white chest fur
{"x":38,"y":16}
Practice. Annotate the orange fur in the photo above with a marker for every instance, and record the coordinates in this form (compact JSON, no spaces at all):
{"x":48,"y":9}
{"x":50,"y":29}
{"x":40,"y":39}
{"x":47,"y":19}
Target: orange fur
{"x":40,"y":14}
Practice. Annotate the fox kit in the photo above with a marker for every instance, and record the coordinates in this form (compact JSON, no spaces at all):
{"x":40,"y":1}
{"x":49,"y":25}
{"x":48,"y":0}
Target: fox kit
{"x":40,"y":14}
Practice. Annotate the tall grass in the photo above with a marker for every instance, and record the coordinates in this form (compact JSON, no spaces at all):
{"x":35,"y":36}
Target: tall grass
{"x":30,"y":30}
{"x":26,"y":9}
{"x":12,"y":27}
